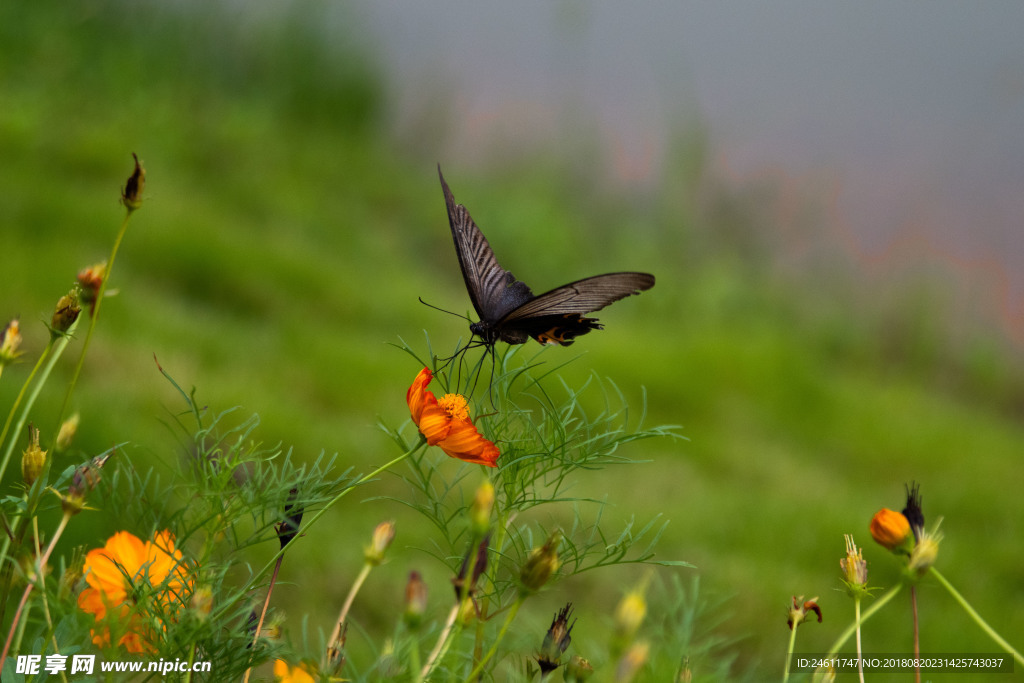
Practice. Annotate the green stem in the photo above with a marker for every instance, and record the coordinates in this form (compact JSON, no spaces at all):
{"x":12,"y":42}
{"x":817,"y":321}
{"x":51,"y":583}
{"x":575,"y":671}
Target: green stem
{"x":14,"y":408}
{"x":343,"y":615}
{"x":845,"y":635}
{"x":95,"y":314}
{"x":977,"y":617}
{"x":789,"y":651}
{"x":479,"y":668}
{"x":856,"y":621}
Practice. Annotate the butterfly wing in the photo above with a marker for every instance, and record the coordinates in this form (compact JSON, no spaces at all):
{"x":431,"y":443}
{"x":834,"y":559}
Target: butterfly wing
{"x":493,"y":290}
{"x":556,"y":317}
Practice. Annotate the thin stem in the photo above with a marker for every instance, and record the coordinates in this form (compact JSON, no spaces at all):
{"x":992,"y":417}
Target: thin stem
{"x":789,"y":651}
{"x":917,"y":635}
{"x":95,"y":313}
{"x":17,"y":402}
{"x":442,"y":640}
{"x":263,"y":614}
{"x":845,"y":635}
{"x":977,"y":617}
{"x":40,"y":564}
{"x":860,"y":652}
{"x":479,"y":668}
{"x":349,"y":599}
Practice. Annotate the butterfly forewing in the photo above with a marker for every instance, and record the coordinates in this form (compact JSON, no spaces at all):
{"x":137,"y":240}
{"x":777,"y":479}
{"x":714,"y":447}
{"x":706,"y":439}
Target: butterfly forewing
{"x":493,"y":290}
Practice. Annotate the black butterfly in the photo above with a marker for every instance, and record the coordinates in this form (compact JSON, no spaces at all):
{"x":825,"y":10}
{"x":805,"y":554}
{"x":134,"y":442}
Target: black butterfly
{"x":507,"y":308}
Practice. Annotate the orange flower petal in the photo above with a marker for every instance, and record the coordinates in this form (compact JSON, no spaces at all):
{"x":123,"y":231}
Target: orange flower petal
{"x":465,"y":443}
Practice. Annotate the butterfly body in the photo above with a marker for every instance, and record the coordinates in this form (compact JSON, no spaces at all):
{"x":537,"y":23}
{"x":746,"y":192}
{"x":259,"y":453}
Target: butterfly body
{"x":508,"y":309}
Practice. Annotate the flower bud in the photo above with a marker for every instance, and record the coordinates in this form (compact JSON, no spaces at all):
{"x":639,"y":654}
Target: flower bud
{"x":83,"y":481}
{"x":578,"y":670}
{"x":202,"y":602}
{"x":415,"y":601}
{"x":891,"y":530}
{"x":131,"y":195}
{"x":382,"y":537}
{"x":10,"y":340}
{"x":541,"y":564}
{"x":90,"y":280}
{"x":288,"y":528}
{"x":556,"y":641}
{"x":631,"y":663}
{"x":66,"y":434}
{"x":925,"y":552}
{"x":33,"y":460}
{"x":480,"y":510}
{"x":65,"y":314}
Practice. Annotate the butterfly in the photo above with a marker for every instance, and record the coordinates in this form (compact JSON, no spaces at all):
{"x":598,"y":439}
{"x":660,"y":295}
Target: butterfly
{"x":509,"y":311}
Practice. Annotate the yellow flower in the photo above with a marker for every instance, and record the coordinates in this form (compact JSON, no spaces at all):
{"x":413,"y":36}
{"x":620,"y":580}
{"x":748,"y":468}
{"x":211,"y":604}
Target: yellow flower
{"x":288,"y":674}
{"x":445,"y":423}
{"x":891,"y":530}
{"x":131,"y":585}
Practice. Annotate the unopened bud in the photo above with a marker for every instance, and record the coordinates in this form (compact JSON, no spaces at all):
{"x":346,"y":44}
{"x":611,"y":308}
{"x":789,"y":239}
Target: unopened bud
{"x":578,"y":670}
{"x":33,"y":460}
{"x":415,"y":601}
{"x":65,"y":314}
{"x":382,"y":537}
{"x":541,"y":564}
{"x":631,"y":663}
{"x":10,"y":340}
{"x":67,"y":433}
{"x":83,"y":481}
{"x":202,"y":602}
{"x":90,"y":280}
{"x":131,"y":195}
{"x":480,"y":510}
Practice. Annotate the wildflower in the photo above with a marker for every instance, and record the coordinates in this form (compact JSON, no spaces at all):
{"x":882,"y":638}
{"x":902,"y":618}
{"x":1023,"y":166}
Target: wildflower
{"x":446,"y":423}
{"x":283,"y":673}
{"x":132,"y":585}
{"x":556,"y":641}
{"x":891,"y":530}
{"x":33,"y":460}
{"x":630,"y":613}
{"x":90,"y":280}
{"x":541,"y":564}
{"x":10,"y":340}
{"x":415,"y":600}
{"x":798,"y":612}
{"x":855,"y":568}
{"x":131,"y":195}
{"x":67,"y":432}
{"x":65,"y":314}
{"x":383,"y":534}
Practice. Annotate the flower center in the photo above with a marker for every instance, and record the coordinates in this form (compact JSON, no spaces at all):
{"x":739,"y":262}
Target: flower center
{"x":455,"y":405}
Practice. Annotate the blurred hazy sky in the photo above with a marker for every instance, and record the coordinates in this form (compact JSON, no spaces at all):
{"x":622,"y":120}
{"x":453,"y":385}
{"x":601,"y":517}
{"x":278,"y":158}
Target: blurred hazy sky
{"x":911,"y":114}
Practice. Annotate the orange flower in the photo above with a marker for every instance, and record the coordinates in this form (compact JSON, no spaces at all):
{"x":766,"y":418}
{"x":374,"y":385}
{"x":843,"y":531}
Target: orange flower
{"x":131,"y":585}
{"x":446,"y":423}
{"x":891,"y":530}
{"x":287,"y":674}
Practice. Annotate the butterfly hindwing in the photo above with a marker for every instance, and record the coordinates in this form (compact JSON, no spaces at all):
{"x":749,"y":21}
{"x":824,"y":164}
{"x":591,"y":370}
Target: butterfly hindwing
{"x":508,"y":309}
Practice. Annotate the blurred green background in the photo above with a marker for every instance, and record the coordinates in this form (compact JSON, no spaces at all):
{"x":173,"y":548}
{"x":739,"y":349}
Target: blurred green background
{"x":288,"y":231}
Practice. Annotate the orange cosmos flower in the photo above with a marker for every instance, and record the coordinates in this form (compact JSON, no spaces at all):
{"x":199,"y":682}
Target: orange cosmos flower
{"x":446,"y":423}
{"x":132,"y":585}
{"x":288,"y":674}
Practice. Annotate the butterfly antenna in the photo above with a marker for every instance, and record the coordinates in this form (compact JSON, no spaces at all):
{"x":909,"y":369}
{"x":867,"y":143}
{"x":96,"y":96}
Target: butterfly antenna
{"x":443,"y":310}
